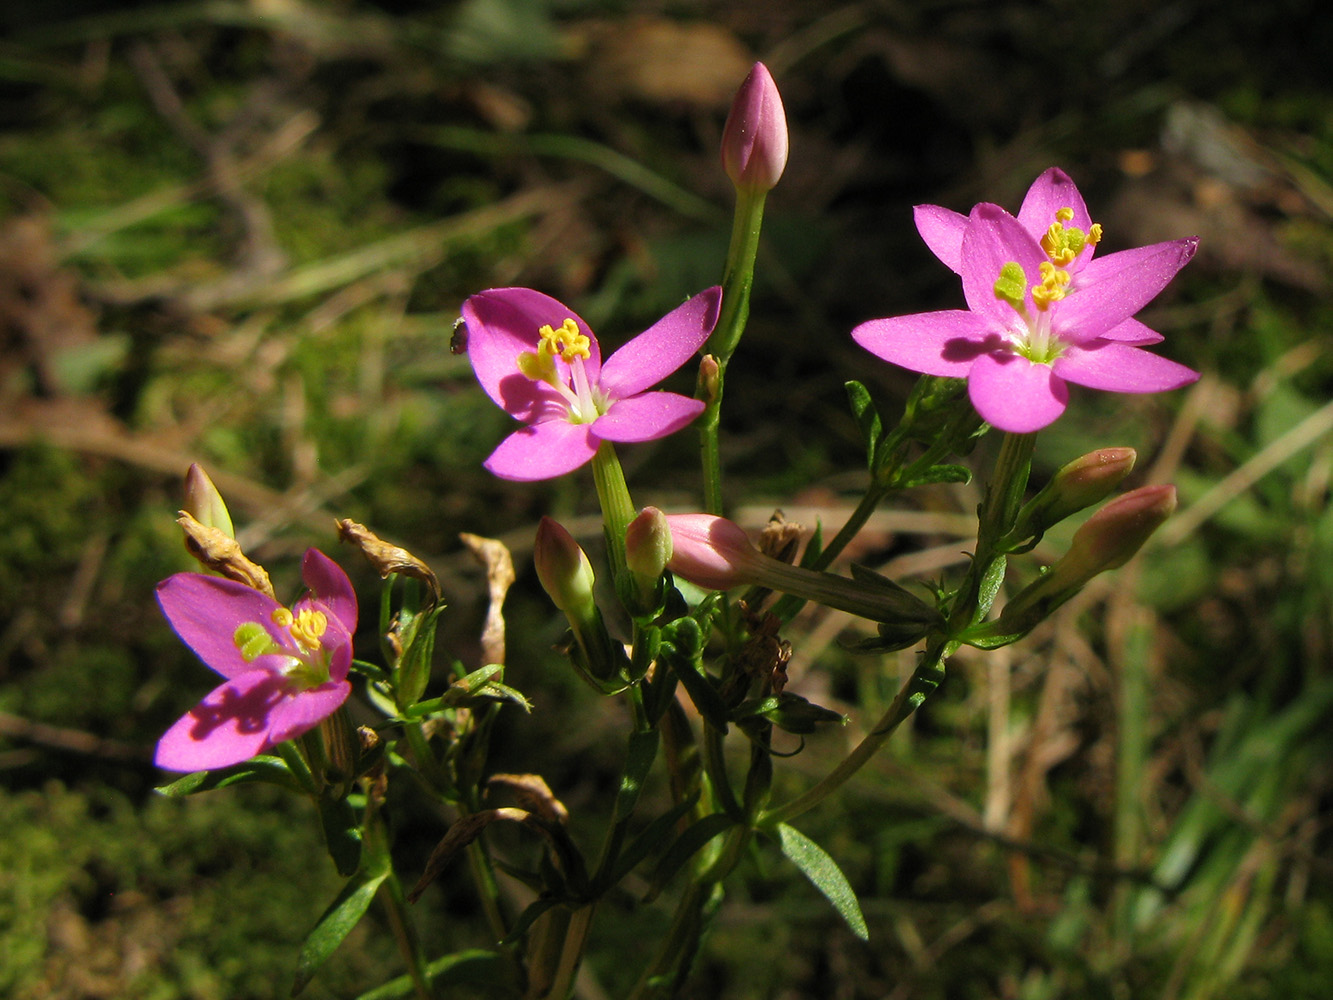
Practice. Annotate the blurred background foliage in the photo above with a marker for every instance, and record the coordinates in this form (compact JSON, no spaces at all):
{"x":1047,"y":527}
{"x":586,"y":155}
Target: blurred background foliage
{"x":238,"y":232}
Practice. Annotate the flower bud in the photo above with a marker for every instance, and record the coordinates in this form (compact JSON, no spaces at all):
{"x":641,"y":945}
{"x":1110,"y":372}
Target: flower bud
{"x":1107,"y":540}
{"x":564,"y":570}
{"x":712,"y":552}
{"x":1080,"y":484}
{"x":1111,"y":536}
{"x":567,"y":577}
{"x":204,"y":503}
{"x":754,"y":140}
{"x":647,"y":551}
{"x":715,"y":553}
{"x":708,"y":381}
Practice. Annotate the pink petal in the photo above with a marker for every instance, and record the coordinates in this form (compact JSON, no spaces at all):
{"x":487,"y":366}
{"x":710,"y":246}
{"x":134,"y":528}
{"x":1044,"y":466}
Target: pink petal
{"x":662,"y":348}
{"x":230,"y":725}
{"x":936,"y":343}
{"x":303,"y":710}
{"x":543,"y":451}
{"x":1131,"y":331}
{"x":992,"y":239}
{"x":646,"y":417}
{"x":1049,"y":193}
{"x":205,"y":612}
{"x":502,"y":323}
{"x":1121,"y":368}
{"x":1113,"y":288}
{"x":1015,"y":395}
{"x":942,"y":229}
{"x":329,"y":587}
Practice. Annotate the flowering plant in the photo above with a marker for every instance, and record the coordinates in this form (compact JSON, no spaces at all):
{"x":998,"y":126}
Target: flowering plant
{"x":691,"y":611}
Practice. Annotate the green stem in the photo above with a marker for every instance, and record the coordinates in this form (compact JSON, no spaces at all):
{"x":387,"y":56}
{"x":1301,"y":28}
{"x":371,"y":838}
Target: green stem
{"x":925,"y":679}
{"x":395,"y":905}
{"x":617,"y":507}
{"x":737,"y":281}
{"x":738,"y":275}
{"x":488,"y":889}
{"x":998,"y":512}
{"x":571,"y":954}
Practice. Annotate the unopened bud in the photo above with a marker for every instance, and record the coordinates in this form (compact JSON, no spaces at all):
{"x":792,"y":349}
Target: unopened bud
{"x":563,"y":569}
{"x":712,"y":552}
{"x":715,"y":553}
{"x":1076,"y":486}
{"x":566,"y":575}
{"x":647,"y":551}
{"x":204,"y":503}
{"x":754,"y":140}
{"x":1107,"y":540}
{"x":708,"y":378}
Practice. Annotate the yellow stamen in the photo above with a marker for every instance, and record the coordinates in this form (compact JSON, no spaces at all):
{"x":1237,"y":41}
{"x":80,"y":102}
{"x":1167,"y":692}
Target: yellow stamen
{"x":308,"y":628}
{"x":1052,"y":287}
{"x":282,"y":617}
{"x":1064,"y":243}
{"x":567,"y":341}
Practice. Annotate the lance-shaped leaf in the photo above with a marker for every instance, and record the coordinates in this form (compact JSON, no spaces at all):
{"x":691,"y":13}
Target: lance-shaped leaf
{"x":819,"y":867}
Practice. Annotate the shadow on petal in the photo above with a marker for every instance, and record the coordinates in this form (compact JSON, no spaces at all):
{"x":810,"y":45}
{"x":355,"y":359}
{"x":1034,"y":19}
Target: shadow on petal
{"x":960,"y":349}
{"x":247,"y":712}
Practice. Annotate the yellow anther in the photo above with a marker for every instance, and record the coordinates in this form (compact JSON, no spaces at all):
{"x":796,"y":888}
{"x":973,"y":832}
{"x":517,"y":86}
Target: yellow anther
{"x":281,"y":617}
{"x":1052,"y":287}
{"x":1064,"y":243}
{"x":567,"y":341}
{"x":308,"y":628}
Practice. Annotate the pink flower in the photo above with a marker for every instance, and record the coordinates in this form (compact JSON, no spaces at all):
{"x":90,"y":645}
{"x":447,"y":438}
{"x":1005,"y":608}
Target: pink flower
{"x":286,"y":669}
{"x":1043,"y":310}
{"x":541,"y":363}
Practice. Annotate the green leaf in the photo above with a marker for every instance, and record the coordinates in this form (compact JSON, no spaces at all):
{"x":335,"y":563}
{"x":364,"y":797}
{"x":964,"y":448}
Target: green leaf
{"x":936,"y":474}
{"x":344,"y":913}
{"x":265,"y":769}
{"x":639,"y":757}
{"x":816,"y":864}
{"x":685,"y":847}
{"x":342,"y":834}
{"x":867,"y":418}
{"x":473,"y":967}
{"x":789,"y":712}
{"x":413,"y":672}
{"x":652,"y":835}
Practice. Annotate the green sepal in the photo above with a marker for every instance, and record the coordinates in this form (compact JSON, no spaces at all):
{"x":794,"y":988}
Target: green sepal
{"x":262,"y":769}
{"x":819,"y":867}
